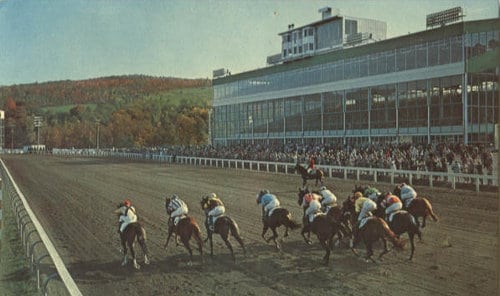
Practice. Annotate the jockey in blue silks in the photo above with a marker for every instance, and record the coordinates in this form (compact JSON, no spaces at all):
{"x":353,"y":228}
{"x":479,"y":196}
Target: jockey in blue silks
{"x":268,"y":202}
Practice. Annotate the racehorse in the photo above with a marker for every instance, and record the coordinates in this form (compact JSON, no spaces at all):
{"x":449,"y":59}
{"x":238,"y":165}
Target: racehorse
{"x":224,"y":225}
{"x":132,"y":233}
{"x":279,"y":216}
{"x":373,"y":230}
{"x":317,"y":175}
{"x":419,"y":207}
{"x":334,"y":214}
{"x":185,"y":229}
{"x":325,"y":227}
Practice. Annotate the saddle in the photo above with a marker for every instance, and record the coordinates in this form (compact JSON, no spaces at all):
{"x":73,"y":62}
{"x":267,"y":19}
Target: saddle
{"x":272,"y":211}
{"x":364,"y":220}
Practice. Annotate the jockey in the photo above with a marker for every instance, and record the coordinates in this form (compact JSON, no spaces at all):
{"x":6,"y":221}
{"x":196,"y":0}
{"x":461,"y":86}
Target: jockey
{"x":268,"y":202}
{"x":310,"y":167}
{"x":217,"y":210}
{"x":312,"y":206}
{"x":363,"y":205}
{"x":407,"y":194}
{"x":176,"y":208}
{"x":372,"y":193}
{"x":127,"y":215}
{"x":329,"y":199}
{"x":392,"y":204}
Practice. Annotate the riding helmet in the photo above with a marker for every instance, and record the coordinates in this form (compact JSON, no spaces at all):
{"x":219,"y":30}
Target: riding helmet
{"x":127,"y":202}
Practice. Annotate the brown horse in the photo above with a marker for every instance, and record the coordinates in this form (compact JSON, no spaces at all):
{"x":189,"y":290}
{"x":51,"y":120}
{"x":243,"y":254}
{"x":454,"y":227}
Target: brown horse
{"x":325,"y":226}
{"x":279,"y":217}
{"x":185,"y":229}
{"x":132,"y":233}
{"x":224,"y":225}
{"x":419,"y":207}
{"x":333,"y":212}
{"x":375,"y":229}
{"x":317,"y":175}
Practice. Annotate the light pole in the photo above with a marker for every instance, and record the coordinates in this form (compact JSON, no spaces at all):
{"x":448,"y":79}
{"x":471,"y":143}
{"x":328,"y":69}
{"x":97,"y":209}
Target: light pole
{"x":38,"y":123}
{"x":97,"y":135}
{"x":250,"y":122}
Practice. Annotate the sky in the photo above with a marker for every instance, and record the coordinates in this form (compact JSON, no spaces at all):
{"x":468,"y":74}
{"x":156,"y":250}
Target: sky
{"x":51,"y":40}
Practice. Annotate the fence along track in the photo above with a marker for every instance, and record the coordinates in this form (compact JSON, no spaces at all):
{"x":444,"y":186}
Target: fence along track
{"x":62,"y":271}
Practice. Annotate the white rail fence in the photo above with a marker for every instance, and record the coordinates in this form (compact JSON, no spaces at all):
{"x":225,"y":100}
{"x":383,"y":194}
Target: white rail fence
{"x":39,"y":247}
{"x":362,"y":174}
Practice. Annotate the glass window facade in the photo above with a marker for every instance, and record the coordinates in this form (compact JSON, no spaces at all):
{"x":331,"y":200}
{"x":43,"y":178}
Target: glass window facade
{"x":421,"y":109}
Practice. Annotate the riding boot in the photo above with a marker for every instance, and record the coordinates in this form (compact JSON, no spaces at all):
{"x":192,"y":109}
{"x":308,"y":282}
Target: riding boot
{"x":119,"y":226}
{"x":211,"y":223}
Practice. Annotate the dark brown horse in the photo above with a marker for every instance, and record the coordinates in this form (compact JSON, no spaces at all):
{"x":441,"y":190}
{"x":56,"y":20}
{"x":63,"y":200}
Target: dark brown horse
{"x":224,"y":225}
{"x":420,"y":207}
{"x":325,"y":226}
{"x":185,"y":229}
{"x":279,"y":217}
{"x":317,"y":175}
{"x":375,"y":229}
{"x":333,"y":212}
{"x":132,"y":233}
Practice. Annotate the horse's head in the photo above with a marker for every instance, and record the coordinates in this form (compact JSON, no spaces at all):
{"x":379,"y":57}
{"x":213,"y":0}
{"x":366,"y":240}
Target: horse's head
{"x":360,"y":188}
{"x":302,"y":192}
{"x":205,"y":203}
{"x":397,"y":190}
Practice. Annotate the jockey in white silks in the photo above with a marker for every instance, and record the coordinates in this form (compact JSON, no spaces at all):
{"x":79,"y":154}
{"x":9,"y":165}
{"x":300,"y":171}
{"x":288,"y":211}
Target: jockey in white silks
{"x":407,"y":194}
{"x":329,"y":199}
{"x":127,"y":215}
{"x":176,"y":208}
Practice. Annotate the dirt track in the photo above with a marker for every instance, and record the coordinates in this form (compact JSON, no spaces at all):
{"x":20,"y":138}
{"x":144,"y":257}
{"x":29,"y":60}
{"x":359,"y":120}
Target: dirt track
{"x":74,"y":199}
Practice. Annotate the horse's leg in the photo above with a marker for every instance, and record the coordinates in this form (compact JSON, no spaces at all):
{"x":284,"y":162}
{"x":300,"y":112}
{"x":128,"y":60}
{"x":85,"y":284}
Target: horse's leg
{"x":385,"y":251}
{"x":168,"y":239}
{"x":264,"y":230}
{"x":142,"y":243}
{"x":132,"y":252}
{"x":305,"y":229}
{"x":423,"y":220}
{"x":185,"y":242}
{"x":225,"y":238}
{"x":124,"y":247}
{"x":411,"y":235}
{"x":274,"y":238}
{"x":325,"y":243}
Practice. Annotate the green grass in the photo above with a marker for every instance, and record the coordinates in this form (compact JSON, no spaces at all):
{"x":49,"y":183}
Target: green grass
{"x":66,"y":108}
{"x":15,"y":274}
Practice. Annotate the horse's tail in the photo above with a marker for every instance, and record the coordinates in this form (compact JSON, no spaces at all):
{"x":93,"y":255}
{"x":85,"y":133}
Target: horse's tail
{"x":428,"y":206}
{"x":233,"y":226}
{"x":290,"y":223}
{"x":389,"y":234}
{"x":197,"y":236}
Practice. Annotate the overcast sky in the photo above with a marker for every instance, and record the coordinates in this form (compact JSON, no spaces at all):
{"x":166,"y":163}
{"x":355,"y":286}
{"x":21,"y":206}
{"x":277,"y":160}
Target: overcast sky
{"x":42,"y":40}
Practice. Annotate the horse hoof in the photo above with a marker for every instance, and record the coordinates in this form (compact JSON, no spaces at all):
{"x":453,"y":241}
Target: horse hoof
{"x":190,"y":263}
{"x":309,"y":242}
{"x":146,"y":260}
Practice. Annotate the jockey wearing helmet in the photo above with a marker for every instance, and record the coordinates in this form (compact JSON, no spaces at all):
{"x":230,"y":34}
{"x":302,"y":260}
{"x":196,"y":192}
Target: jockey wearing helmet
{"x":363,"y":205}
{"x":176,"y":208}
{"x":392,"y":204}
{"x":310,"y":167}
{"x":407,"y":194}
{"x":216,"y":209}
{"x":268,"y":202}
{"x":127,"y":215}
{"x":312,"y":206}
{"x":372,"y":193}
{"x":329,"y":199}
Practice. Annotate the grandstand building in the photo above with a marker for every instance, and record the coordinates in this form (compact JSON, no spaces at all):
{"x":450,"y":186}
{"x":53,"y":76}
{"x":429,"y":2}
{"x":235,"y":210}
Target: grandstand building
{"x":339,"y":80}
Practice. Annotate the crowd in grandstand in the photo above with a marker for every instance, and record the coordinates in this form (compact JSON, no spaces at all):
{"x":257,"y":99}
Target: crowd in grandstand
{"x":444,"y":157}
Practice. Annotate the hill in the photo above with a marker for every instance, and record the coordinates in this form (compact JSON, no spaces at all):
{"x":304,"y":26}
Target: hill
{"x":132,"y":111}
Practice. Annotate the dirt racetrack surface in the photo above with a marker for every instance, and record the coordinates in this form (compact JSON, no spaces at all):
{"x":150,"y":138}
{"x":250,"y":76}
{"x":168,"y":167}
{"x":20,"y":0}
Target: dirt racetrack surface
{"x":74,"y":199}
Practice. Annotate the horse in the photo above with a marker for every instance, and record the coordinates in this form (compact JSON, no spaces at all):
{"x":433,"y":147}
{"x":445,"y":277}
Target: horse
{"x":373,"y":230}
{"x":325,"y":227}
{"x":185,"y":229}
{"x":279,"y":217}
{"x":418,"y":207}
{"x":334,"y":213}
{"x":317,"y":175}
{"x":224,"y":225}
{"x":132,"y":233}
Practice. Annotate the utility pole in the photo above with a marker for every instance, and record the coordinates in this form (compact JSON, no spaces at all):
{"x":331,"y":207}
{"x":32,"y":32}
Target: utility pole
{"x":38,"y":123}
{"x":98,"y":125}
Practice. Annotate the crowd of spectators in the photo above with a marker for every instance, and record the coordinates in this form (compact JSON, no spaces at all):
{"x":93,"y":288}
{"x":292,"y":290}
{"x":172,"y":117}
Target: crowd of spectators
{"x":443,"y":157}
